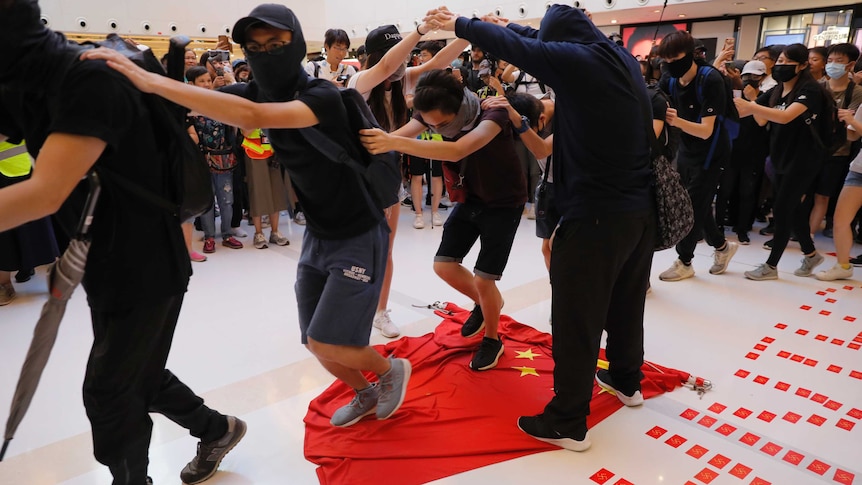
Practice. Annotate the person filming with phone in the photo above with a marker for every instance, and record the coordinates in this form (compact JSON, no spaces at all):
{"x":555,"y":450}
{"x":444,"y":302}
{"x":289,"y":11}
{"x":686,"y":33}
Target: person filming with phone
{"x":337,"y":45}
{"x":217,"y":63}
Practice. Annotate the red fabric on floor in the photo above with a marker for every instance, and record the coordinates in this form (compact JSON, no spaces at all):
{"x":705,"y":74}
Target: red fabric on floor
{"x":453,"y":419}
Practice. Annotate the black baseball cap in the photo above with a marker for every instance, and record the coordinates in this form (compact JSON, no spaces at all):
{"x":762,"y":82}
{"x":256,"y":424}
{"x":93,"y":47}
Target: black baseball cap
{"x":382,"y":38}
{"x":271,"y":14}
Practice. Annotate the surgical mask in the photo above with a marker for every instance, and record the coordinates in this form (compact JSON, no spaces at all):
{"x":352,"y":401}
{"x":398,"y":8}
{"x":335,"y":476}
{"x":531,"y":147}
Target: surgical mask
{"x":836,"y":70}
{"x":398,"y":74}
{"x":784,"y":72}
{"x":679,"y":67}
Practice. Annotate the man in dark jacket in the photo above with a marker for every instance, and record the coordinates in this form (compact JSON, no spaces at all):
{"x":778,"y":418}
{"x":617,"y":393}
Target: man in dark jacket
{"x":602,"y":252}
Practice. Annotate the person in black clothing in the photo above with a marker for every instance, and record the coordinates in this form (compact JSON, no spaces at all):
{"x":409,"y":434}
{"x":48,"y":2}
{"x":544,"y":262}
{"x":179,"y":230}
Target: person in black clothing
{"x":704,"y":148}
{"x":56,"y":102}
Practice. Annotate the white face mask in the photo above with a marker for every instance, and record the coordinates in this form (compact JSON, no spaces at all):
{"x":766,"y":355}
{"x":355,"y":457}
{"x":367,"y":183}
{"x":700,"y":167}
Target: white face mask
{"x":836,"y":70}
{"x":398,"y":74}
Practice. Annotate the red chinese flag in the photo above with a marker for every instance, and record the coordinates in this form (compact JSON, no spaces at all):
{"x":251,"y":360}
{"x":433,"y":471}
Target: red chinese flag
{"x":453,"y":419}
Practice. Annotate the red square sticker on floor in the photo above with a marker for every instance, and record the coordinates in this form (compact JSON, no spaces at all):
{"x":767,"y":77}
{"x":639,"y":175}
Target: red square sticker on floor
{"x":818,"y":467}
{"x":806,"y":308}
{"x":766,"y":416}
{"x":850,"y":319}
{"x":782,"y":386}
{"x":857,"y":339}
{"x":676,"y":441}
{"x":697,"y":452}
{"x":845,"y":424}
{"x":719,"y":461}
{"x":761,"y":380}
{"x":602,"y":476}
{"x":752,"y":356}
{"x":771,"y":449}
{"x":742,"y":373}
{"x":816,"y":420}
{"x":784,"y":354}
{"x":740,"y":471}
{"x":656,"y":432}
{"x":819,"y":398}
{"x":837,"y":341}
{"x":792,"y":417}
{"x":803,"y":392}
{"x":848,"y":288}
{"x":855,"y":413}
{"x":797,"y":358}
{"x":742,"y":413}
{"x":854,"y":346}
{"x":833,"y":405}
{"x":793,"y":457}
{"x":802,"y":331}
{"x":856,"y":374}
{"x":831,"y":300}
{"x":760,"y":481}
{"x":845,"y":478}
{"x":689,"y":414}
{"x":831,"y":290}
{"x":781,"y":326}
{"x":623,"y":481}
{"x":726,"y":429}
{"x":749,"y":439}
{"x":717,"y":408}
{"x":825,"y":313}
{"x":707,"y":421}
{"x":810,"y":362}
{"x":834,"y":368}
{"x":768,"y":340}
{"x":821,"y":338}
{"x":821,"y":293}
{"x":706,"y":475}
{"x":760,"y":347}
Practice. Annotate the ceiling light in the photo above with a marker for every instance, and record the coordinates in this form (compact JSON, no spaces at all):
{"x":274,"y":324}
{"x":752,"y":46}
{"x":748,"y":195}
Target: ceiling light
{"x":613,"y":21}
{"x":682,"y":15}
{"x":656,"y":11}
{"x":762,"y":9}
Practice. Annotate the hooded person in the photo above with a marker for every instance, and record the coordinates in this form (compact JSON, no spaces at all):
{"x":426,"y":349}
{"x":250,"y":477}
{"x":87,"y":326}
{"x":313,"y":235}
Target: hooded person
{"x":342,"y":261}
{"x":603,"y":195}
{"x":55,"y":102}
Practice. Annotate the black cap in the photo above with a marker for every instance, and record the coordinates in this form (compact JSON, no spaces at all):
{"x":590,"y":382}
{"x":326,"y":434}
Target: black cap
{"x":382,"y":38}
{"x":699,"y":45}
{"x":271,"y":14}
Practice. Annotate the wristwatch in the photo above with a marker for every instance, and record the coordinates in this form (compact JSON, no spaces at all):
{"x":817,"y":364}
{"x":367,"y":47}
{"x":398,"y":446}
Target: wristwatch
{"x":525,"y":125}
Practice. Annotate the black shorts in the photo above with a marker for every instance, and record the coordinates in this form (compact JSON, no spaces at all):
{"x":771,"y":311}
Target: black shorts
{"x":419,"y":166}
{"x":545,"y":226}
{"x":832,"y":174}
{"x":494,"y":227}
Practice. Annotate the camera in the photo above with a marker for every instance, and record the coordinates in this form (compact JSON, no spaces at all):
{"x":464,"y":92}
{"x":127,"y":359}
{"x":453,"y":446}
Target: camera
{"x":342,"y":78}
{"x":218,"y":55}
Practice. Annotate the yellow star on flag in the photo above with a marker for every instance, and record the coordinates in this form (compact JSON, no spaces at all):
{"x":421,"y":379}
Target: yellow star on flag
{"x":528,"y":354}
{"x":527,"y":371}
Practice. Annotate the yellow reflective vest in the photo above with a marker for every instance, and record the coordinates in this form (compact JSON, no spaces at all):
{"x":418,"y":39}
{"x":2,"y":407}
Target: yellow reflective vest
{"x":257,"y":146}
{"x":14,"y":160}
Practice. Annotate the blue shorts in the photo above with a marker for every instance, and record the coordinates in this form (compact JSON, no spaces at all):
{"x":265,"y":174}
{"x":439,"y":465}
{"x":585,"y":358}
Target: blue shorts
{"x":854,"y":179}
{"x":494,"y":227}
{"x":337,"y":286}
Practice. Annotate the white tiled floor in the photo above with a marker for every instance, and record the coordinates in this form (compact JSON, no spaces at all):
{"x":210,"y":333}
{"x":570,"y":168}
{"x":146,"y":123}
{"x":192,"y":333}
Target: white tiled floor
{"x":237,"y":345}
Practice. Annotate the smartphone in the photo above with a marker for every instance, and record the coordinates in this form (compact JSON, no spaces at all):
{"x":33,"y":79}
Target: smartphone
{"x":342,"y":78}
{"x":218,"y":55}
{"x":730,"y":66}
{"x":729,"y":43}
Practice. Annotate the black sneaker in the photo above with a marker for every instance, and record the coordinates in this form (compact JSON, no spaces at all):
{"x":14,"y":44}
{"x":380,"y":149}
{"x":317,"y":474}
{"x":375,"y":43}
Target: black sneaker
{"x":857,"y":261}
{"x":768,"y":245}
{"x":443,"y":207}
{"x":488,"y":354}
{"x":606,"y":382}
{"x":24,"y":275}
{"x":206,"y":462}
{"x":536,"y":427}
{"x":474,"y":324}
{"x":149,"y":481}
{"x":769,"y":229}
{"x":743,"y":238}
{"x":407,"y":202}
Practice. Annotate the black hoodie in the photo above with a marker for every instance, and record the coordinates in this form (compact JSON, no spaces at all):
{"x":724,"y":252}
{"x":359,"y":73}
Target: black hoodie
{"x":601,"y":151}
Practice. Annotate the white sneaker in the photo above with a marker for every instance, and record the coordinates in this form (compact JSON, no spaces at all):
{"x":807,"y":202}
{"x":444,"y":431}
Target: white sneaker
{"x":835,"y":273}
{"x":418,"y":223}
{"x":722,"y":258}
{"x":383,"y":323}
{"x":299,"y":218}
{"x":237,"y":232}
{"x":678,"y":271}
{"x":436,"y":220}
{"x":808,"y":264}
{"x":531,"y":212}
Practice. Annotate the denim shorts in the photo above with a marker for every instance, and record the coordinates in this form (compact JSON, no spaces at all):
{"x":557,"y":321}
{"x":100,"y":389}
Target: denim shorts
{"x":854,"y":179}
{"x":495,"y":229}
{"x":338,"y":284}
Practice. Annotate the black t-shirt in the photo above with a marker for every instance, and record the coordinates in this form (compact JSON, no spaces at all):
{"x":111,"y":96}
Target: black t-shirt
{"x":792,"y":145}
{"x":659,"y":113}
{"x":692,"y":149}
{"x":137,"y":250}
{"x":331,"y":195}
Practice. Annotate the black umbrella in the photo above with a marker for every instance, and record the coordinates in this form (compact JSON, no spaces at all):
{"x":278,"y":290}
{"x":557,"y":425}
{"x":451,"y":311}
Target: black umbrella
{"x":63,"y":278}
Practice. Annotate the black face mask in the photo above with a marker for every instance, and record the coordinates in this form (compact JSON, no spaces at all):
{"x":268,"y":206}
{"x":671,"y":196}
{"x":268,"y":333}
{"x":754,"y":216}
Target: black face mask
{"x":279,"y":75}
{"x":679,"y":67}
{"x":784,"y":72}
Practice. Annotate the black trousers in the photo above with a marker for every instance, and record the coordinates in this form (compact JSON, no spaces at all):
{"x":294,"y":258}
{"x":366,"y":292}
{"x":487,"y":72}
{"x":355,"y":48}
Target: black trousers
{"x":702,"y":184}
{"x":794,"y":198}
{"x":599,"y":277}
{"x":740,"y":187}
{"x":126,"y":379}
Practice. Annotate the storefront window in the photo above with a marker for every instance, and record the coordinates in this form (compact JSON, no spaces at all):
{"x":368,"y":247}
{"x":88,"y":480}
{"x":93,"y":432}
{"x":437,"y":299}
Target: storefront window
{"x":811,"y":29}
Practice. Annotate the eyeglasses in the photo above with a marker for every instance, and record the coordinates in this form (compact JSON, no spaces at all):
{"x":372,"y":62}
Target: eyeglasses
{"x":337,"y":48}
{"x":762,"y":58}
{"x":274,"y":47}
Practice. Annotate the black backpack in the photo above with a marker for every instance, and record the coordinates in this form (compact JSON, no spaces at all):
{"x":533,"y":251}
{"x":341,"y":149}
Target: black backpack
{"x":380,"y":175}
{"x":190,"y":181}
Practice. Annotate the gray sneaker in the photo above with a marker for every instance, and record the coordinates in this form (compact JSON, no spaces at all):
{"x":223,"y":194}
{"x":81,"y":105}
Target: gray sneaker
{"x":677,"y":272}
{"x":260,"y":241}
{"x":362,"y":404}
{"x":206,"y":462}
{"x":808,"y":264}
{"x":722,"y":258}
{"x":7,"y":294}
{"x":393,"y":387}
{"x":762,"y":273}
{"x":278,"y":238}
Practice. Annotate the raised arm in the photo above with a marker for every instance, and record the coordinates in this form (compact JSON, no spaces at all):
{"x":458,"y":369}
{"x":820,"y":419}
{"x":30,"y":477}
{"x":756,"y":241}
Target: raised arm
{"x":378,"y":141}
{"x":442,"y":60}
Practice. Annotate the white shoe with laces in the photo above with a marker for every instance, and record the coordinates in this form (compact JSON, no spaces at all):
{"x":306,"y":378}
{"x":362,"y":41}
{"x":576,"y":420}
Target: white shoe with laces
{"x":383,"y":323}
{"x":436,"y":220}
{"x":418,"y":223}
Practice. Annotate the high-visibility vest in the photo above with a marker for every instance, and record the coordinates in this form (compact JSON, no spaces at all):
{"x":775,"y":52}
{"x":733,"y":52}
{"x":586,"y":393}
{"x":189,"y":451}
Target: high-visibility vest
{"x":257,"y":145}
{"x":14,"y":160}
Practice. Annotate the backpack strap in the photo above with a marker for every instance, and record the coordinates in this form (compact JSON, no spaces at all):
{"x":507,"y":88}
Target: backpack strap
{"x":848,"y":94}
{"x":700,"y":80}
{"x":316,"y":69}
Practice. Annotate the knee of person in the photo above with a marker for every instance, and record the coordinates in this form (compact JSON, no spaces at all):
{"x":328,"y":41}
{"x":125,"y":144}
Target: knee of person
{"x":442,"y":269}
{"x":483,"y":283}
